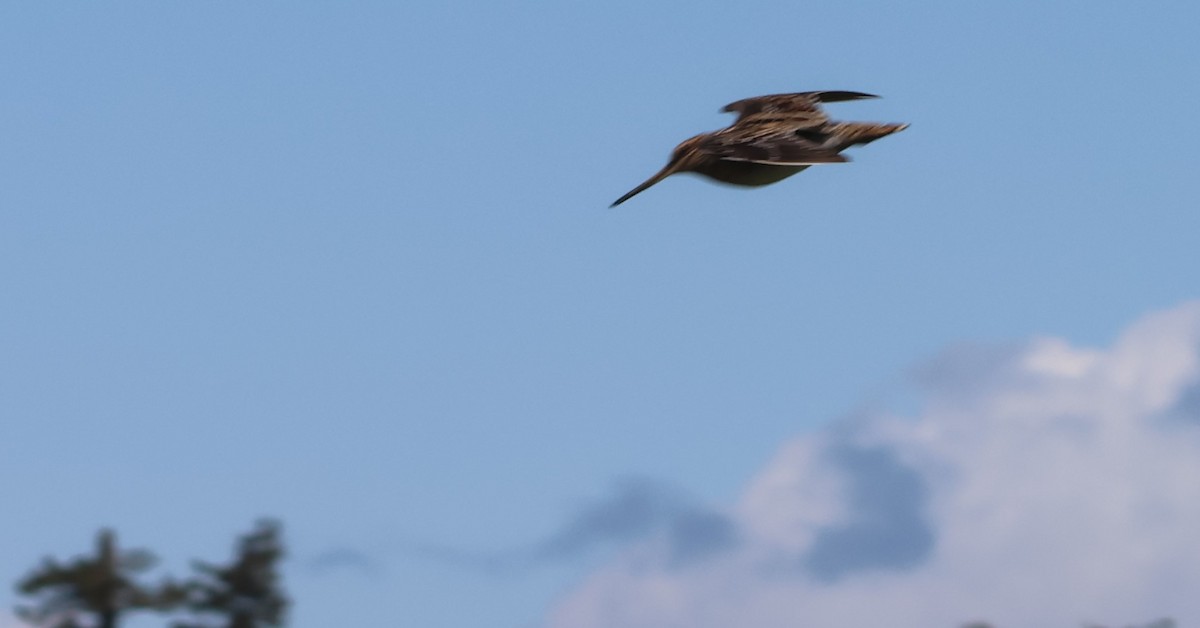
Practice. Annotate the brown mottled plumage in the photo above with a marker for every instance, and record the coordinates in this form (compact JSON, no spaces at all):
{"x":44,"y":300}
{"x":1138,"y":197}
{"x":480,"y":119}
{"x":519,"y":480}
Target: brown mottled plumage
{"x":773,"y":138}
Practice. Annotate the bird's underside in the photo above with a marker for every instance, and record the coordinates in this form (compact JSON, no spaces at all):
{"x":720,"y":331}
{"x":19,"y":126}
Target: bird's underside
{"x":748,"y":173}
{"x":773,"y":138}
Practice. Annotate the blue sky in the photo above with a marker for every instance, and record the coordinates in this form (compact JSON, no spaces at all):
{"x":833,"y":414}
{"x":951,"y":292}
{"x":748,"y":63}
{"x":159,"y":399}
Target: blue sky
{"x":352,"y":265}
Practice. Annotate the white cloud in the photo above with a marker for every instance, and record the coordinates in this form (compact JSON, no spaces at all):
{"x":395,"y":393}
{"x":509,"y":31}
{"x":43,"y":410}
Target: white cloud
{"x":1039,"y":486}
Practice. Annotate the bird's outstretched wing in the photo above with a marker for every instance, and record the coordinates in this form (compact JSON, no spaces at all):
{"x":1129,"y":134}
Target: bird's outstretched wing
{"x":799,"y":110}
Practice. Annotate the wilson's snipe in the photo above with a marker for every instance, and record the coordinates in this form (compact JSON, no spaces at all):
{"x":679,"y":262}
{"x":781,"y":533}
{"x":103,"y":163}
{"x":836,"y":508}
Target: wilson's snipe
{"x":773,"y":138}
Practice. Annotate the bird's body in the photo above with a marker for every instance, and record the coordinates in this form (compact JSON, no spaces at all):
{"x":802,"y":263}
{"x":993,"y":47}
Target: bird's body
{"x":746,"y":173}
{"x":773,"y":138}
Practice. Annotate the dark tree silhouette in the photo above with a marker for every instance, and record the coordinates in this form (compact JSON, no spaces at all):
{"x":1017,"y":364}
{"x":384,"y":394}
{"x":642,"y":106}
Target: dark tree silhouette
{"x":246,"y":593}
{"x":100,"y":586}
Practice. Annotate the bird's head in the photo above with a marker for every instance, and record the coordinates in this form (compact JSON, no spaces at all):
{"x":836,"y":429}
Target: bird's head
{"x":687,"y":156}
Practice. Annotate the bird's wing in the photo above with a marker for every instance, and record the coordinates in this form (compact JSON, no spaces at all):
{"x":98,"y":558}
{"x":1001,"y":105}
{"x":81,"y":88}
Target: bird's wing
{"x":799,"y":110}
{"x":776,"y":149}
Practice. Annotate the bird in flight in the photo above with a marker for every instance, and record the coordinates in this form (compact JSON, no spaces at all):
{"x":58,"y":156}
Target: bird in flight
{"x":773,"y":138}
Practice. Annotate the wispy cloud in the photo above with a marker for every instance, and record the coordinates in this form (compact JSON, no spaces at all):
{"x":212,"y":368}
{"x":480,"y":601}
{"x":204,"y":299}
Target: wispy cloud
{"x":1038,"y":485}
{"x":887,"y":527}
{"x":636,"y":509}
{"x":639,"y":508}
{"x":343,"y":560}
{"x":8,"y":620}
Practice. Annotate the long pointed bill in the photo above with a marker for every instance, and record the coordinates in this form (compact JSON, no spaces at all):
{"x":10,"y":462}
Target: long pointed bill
{"x":662,"y":174}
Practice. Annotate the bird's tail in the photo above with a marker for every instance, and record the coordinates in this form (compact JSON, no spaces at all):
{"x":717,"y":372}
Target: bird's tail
{"x":849,"y":134}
